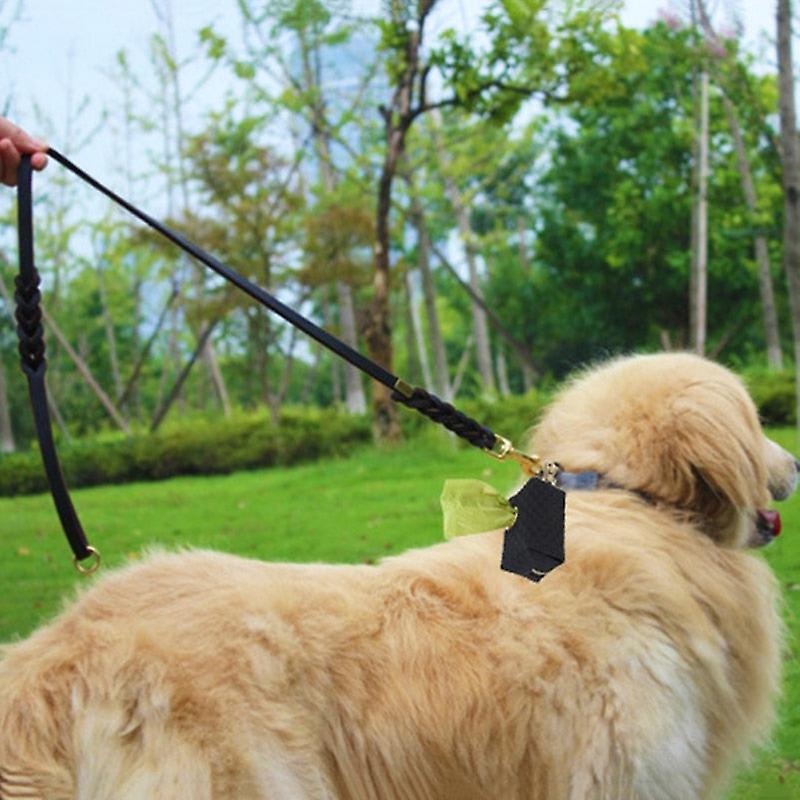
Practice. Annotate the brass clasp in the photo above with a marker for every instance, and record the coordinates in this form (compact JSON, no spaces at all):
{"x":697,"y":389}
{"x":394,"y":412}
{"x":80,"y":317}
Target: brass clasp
{"x":503,"y":449}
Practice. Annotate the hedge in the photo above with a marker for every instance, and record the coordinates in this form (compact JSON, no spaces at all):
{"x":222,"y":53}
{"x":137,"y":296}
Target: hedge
{"x":245,"y":441}
{"x":201,"y":447}
{"x":773,"y":393}
{"x":248,"y":441}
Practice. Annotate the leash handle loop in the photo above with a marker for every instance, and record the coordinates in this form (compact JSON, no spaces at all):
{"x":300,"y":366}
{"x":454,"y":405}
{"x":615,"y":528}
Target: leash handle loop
{"x":30,"y":331}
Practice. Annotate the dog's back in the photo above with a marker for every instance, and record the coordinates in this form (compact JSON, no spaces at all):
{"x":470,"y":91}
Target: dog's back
{"x":432,"y":676}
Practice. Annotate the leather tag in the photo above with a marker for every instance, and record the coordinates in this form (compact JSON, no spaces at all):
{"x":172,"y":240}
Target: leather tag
{"x":534,"y":544}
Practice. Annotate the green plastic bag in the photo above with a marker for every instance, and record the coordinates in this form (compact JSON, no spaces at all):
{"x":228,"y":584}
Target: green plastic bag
{"x":471,"y":506}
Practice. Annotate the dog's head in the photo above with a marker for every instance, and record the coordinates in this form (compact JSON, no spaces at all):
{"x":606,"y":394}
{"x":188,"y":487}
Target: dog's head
{"x":680,"y":430}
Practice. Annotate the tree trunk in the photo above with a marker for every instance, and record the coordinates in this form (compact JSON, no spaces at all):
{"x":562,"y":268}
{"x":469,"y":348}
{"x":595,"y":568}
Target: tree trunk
{"x":769,"y":312}
{"x":520,"y":349}
{"x":482,"y":343}
{"x":502,"y":374}
{"x":276,"y":398}
{"x":108,"y":325}
{"x":217,"y":379}
{"x":379,"y":327}
{"x":461,"y":367}
{"x":483,"y":347}
{"x":86,"y":373}
{"x":336,"y":363}
{"x":175,"y":392}
{"x":441,"y":378}
{"x":130,"y":386}
{"x":698,"y":278}
{"x":311,"y":375}
{"x":56,"y":414}
{"x":131,"y":393}
{"x":791,"y":178}
{"x":528,"y":377}
{"x":355,"y":398}
{"x":6,"y":431}
{"x":416,"y":330}
{"x":413,"y":369}
{"x":398,"y":118}
{"x":528,"y":373}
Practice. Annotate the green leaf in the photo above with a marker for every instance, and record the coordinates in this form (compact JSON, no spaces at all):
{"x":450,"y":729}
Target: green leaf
{"x":245,"y":70}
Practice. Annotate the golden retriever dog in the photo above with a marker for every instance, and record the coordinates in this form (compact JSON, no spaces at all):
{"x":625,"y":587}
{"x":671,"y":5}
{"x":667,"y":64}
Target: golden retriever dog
{"x":644,"y":667}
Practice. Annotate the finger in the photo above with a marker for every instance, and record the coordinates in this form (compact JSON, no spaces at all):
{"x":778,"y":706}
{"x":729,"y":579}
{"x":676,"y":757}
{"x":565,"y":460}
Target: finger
{"x":38,"y":161}
{"x":23,"y":141}
{"x":9,"y":156}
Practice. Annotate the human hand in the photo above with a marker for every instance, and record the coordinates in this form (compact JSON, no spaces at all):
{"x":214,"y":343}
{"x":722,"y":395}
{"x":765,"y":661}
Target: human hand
{"x":14,"y":142}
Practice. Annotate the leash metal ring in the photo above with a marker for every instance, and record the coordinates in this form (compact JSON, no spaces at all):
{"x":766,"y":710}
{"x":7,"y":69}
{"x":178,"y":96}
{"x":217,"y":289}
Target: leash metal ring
{"x":93,"y":567}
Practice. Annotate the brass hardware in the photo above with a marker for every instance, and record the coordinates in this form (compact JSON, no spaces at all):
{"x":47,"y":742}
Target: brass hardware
{"x":403,"y":388}
{"x":93,"y":567}
{"x":503,"y":449}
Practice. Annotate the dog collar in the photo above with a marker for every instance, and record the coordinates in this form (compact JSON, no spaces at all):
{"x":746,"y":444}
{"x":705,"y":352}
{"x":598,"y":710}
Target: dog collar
{"x":585,"y":481}
{"x":590,"y":480}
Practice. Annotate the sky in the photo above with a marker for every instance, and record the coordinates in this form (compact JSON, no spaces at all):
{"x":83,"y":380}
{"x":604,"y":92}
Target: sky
{"x":61,"y":54}
{"x":62,"y":48}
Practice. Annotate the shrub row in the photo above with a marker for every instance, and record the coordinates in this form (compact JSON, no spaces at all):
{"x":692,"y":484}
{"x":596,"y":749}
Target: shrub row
{"x":249,"y":441}
{"x":246,"y":441}
{"x":202,"y":447}
{"x":773,"y":393}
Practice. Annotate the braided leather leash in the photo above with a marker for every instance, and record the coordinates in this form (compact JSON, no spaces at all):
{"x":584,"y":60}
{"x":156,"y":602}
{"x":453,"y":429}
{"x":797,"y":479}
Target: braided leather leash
{"x":30,"y":331}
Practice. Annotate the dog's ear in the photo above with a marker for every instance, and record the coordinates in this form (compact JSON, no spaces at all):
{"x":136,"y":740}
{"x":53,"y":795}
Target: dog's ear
{"x":718,"y":453}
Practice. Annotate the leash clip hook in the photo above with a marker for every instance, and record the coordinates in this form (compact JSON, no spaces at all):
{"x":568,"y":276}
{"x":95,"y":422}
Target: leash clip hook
{"x":503,"y":448}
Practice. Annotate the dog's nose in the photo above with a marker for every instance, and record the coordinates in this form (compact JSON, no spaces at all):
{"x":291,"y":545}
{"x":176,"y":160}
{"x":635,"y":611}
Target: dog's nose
{"x":797,"y":465}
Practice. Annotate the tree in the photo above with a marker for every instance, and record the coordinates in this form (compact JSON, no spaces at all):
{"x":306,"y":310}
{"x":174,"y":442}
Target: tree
{"x":481,"y":326}
{"x":311,"y":36}
{"x":402,"y":36}
{"x":727,"y":80}
{"x":613,"y":240}
{"x":299,"y":47}
{"x":251,"y":200}
{"x":441,"y":372}
{"x":492,"y":82}
{"x":172,"y":100}
{"x":790,"y":157}
{"x":698,"y":272}
{"x":495,"y":167}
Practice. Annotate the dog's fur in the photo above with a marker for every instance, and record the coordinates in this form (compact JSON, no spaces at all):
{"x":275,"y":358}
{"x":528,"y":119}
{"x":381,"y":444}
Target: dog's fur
{"x":644,"y":667}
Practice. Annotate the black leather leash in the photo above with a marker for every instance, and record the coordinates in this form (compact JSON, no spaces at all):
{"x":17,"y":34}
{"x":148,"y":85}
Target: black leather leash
{"x":31,"y":336}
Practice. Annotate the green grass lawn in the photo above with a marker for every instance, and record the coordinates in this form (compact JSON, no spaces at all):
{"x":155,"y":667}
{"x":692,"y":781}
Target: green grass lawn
{"x":354,"y":509}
